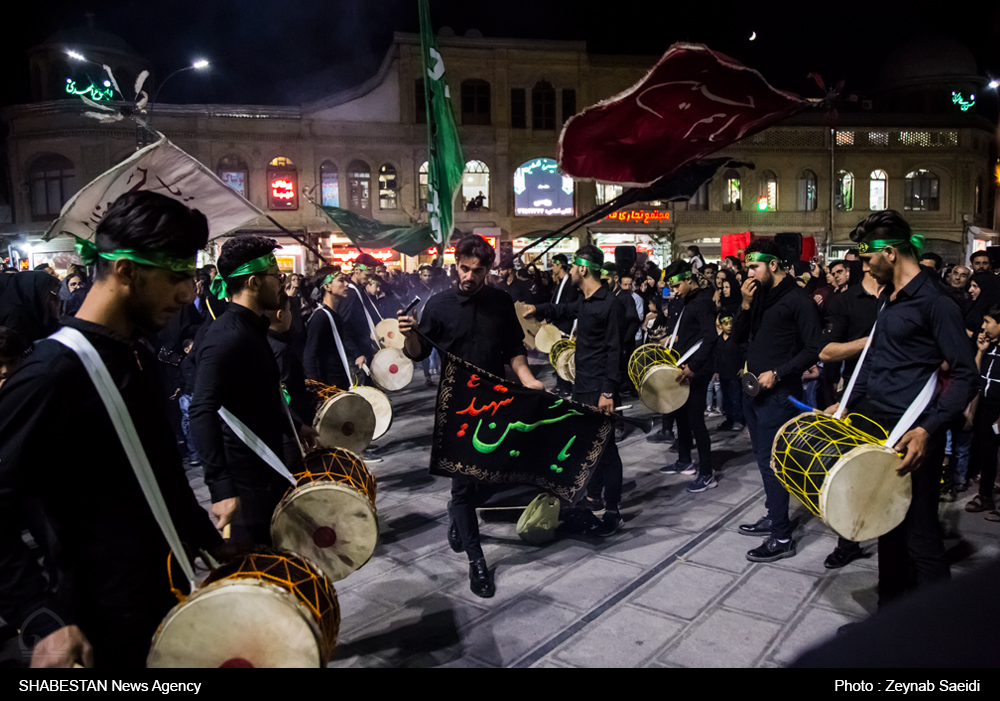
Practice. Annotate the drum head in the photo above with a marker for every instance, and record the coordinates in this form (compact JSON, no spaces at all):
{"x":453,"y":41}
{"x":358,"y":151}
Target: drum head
{"x":380,"y":405}
{"x":388,"y":334}
{"x":751,"y":387}
{"x":546,"y":337}
{"x":529,"y":326}
{"x":660,"y":391}
{"x":863,"y":497}
{"x":391,"y":370}
{"x":346,"y":420}
{"x":565,"y":367}
{"x":332,"y":525}
{"x":238,"y":623}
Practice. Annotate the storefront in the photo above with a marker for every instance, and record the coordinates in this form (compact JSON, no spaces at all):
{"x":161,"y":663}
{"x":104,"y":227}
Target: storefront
{"x":649,"y":230}
{"x":568,"y":246}
{"x":430,"y":255}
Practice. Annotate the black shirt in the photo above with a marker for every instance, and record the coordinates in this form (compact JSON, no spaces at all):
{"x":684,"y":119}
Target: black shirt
{"x":237,"y":370}
{"x":600,"y":333}
{"x":357,"y":333}
{"x":850,"y":315}
{"x":565,"y":292}
{"x":917,"y":332}
{"x":728,"y":357}
{"x":632,"y":320}
{"x":322,"y":360}
{"x":697,"y":324}
{"x":293,"y":379}
{"x":59,"y":446}
{"x":989,"y":371}
{"x":481,"y":329}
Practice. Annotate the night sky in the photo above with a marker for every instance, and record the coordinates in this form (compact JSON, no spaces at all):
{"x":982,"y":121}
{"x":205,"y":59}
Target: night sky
{"x":281,"y":52}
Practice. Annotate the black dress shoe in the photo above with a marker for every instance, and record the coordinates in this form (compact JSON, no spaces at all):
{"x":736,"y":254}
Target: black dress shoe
{"x":842,"y":556}
{"x":454,"y":539}
{"x":772,"y":550}
{"x":762,"y":527}
{"x":481,"y":579}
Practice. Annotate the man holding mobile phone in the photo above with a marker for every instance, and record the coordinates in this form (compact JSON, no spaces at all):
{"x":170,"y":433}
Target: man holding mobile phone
{"x":984,"y":425}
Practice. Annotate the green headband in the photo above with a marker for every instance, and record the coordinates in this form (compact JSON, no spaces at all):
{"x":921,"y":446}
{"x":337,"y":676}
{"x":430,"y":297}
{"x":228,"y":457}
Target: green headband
{"x":89,"y":254}
{"x":680,"y":276}
{"x":875,"y":245}
{"x":761,"y":258}
{"x":577,"y":260}
{"x":219,"y":287}
{"x":330,"y":278}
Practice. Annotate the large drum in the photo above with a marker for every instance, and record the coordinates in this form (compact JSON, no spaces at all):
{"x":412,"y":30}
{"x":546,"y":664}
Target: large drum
{"x":654,"y":372}
{"x":264,"y":609}
{"x":344,"y":420}
{"x":563,"y":358}
{"x":380,"y":405}
{"x":388,"y":334}
{"x":329,"y":516}
{"x":530,"y":327}
{"x":547,"y":336}
{"x":391,"y":370}
{"x":843,"y":475}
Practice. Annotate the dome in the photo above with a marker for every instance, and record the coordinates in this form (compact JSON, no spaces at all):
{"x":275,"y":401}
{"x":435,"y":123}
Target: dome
{"x":927,"y":58}
{"x":89,"y":36}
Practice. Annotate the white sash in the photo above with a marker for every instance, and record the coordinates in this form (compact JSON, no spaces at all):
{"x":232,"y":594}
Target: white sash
{"x":125,"y":428}
{"x":255,"y":444}
{"x":677,"y":327}
{"x":371,"y":324}
{"x":562,"y":286}
{"x":340,"y":344}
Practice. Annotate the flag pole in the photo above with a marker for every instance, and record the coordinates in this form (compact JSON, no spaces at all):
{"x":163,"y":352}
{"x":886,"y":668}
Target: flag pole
{"x":296,"y":237}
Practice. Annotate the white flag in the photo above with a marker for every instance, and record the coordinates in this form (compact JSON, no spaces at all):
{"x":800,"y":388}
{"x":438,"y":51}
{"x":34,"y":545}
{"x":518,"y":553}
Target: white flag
{"x":162,"y":168}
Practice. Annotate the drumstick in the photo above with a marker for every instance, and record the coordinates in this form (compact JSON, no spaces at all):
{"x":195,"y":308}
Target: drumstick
{"x":411,"y":305}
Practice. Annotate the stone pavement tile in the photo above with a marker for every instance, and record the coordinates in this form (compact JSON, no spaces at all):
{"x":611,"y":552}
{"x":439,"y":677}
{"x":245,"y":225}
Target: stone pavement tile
{"x":512,"y":581}
{"x":623,"y":637}
{"x":559,"y":553}
{"x":773,"y":593}
{"x":645,"y":545}
{"x":723,"y":639}
{"x":503,"y":639}
{"x":726,"y":550}
{"x":413,"y":536}
{"x":589,"y":583}
{"x":548,"y":663}
{"x":812,"y":627}
{"x":693,"y":516}
{"x":414,"y":581}
{"x":357,"y":611}
{"x":378,"y":566}
{"x":733,"y":491}
{"x":850,"y":592}
{"x":682,"y":590}
{"x":811,"y":550}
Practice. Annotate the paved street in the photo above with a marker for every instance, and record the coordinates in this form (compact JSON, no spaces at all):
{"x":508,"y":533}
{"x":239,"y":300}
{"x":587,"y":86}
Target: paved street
{"x":672,"y":589}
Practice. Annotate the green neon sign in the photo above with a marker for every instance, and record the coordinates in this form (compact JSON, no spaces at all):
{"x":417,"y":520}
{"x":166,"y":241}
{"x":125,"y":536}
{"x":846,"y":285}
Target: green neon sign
{"x":963,"y":104}
{"x":94,"y":92}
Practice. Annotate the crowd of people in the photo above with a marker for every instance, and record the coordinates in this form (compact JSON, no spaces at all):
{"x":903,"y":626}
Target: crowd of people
{"x":228,"y":349}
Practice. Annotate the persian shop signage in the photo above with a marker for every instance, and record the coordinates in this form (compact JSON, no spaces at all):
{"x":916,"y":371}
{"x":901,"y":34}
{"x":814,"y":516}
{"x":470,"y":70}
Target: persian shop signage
{"x":540,"y":189}
{"x":639,"y":216}
{"x":491,"y":240}
{"x":283,"y":189}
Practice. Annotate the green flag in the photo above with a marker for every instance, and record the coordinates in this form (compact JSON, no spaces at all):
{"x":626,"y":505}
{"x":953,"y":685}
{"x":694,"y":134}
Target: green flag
{"x":367,"y":233}
{"x":445,"y":164}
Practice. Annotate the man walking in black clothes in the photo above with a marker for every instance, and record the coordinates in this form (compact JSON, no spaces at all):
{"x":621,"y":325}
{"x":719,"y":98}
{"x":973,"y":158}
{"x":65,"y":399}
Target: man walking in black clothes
{"x":329,"y":351}
{"x":565,"y":293}
{"x":112,"y":591}
{"x":293,"y":378}
{"x":600,"y":326}
{"x":697,"y":326}
{"x":237,"y":373}
{"x":479,"y":325}
{"x":359,"y":313}
{"x":919,"y":328}
{"x":781,"y":327}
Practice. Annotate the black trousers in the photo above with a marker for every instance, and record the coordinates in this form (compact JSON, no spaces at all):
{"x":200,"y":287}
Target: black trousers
{"x":691,"y":421}
{"x":983,"y":455}
{"x":466,"y":495}
{"x":607,"y":477}
{"x":252,"y":523}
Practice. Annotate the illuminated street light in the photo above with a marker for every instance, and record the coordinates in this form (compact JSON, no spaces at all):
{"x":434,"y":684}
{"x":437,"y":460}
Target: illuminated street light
{"x":200,"y":63}
{"x":75,"y":56}
{"x":994,"y":84}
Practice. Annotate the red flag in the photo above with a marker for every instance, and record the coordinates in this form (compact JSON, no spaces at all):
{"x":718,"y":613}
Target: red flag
{"x":733,"y":244}
{"x":692,"y":103}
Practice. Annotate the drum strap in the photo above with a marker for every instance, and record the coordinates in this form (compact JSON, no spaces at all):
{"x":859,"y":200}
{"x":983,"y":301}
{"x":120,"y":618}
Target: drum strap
{"x":677,"y":328}
{"x":690,"y":351}
{"x":340,"y":343}
{"x":915,"y":410}
{"x":125,"y":428}
{"x":839,"y":414}
{"x":291,"y":421}
{"x":368,"y":316}
{"x":255,"y":444}
{"x":562,"y":285}
{"x":572,"y":332}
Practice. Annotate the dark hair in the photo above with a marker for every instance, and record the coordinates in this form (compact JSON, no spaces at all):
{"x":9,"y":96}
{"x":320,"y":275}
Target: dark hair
{"x":852,"y":251}
{"x":43,"y":266}
{"x":993,"y":312}
{"x":692,"y":247}
{"x":239,"y":250}
{"x":12,"y":344}
{"x":366,"y":260}
{"x":767,"y":246}
{"x":835,"y":263}
{"x":593,"y":254}
{"x":561,"y":260}
{"x":475,"y":246}
{"x":977,"y":254}
{"x":735,"y":260}
{"x":150,"y":222}
{"x":887,"y":224}
{"x":320,"y":276}
{"x":676,"y":268}
{"x":932,"y":256}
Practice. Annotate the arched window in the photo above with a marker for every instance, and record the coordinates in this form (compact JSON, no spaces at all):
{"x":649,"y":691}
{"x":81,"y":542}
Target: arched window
{"x":233,"y":172}
{"x":607,"y":192}
{"x":808,"y":199}
{"x":731,"y":199}
{"x":476,"y":186}
{"x":282,"y":184}
{"x":877,"y":183}
{"x":359,"y":184}
{"x":543,"y":106}
{"x":845,"y":191}
{"x":767,"y":191}
{"x":387,"y":187}
{"x":422,"y":180}
{"x":540,"y":189}
{"x":52,"y":181}
{"x":475,"y":102}
{"x":329,"y":184}
{"x":921,"y":191}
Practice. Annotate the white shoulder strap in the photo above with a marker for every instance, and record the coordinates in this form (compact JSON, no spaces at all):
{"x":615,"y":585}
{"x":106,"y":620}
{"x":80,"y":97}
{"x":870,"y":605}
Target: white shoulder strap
{"x":113,"y":402}
{"x":255,"y":444}
{"x":677,"y":327}
{"x":371,"y":324}
{"x":839,"y":414}
{"x":340,"y":343}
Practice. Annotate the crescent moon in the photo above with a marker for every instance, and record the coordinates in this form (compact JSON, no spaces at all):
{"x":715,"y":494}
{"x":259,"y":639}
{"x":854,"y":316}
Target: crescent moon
{"x":753,"y":36}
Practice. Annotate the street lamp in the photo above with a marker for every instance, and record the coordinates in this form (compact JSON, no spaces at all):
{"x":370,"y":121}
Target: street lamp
{"x":198,"y":65}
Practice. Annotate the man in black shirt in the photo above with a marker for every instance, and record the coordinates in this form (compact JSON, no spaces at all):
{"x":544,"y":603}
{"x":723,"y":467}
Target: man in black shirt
{"x":329,"y":351}
{"x":237,"y":372}
{"x":479,"y":325}
{"x":359,"y":313}
{"x":697,"y":325}
{"x":919,"y":329}
{"x":565,"y":293}
{"x":109,"y":552}
{"x":781,"y":326}
{"x":293,"y":377}
{"x":984,"y":437}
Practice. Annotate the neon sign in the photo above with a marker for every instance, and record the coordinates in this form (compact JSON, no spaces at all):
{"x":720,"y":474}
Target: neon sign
{"x":639,"y":215}
{"x":762,"y":203}
{"x":95,"y":92}
{"x":491,"y":240}
{"x":541,"y":190}
{"x":963,"y":104}
{"x":348,"y":255}
{"x":282,"y":189}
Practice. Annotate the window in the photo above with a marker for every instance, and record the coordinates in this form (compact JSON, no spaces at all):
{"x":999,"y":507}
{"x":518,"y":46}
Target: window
{"x":518,"y":109}
{"x":476,"y":186}
{"x":329,"y":184}
{"x":569,"y":104}
{"x":543,"y":106}
{"x":607,"y":192}
{"x":767,"y":192}
{"x":234,"y":173}
{"x":878,"y":181}
{"x":475,"y":102}
{"x":387,"y":187}
{"x":731,"y":195}
{"x":52,"y":181}
{"x":920,"y":192}
{"x":699,"y":200}
{"x":845,"y":191}
{"x":423,"y":175}
{"x":540,"y":189}
{"x":807,"y":192}
{"x":420,"y":102}
{"x":359,"y":184}
{"x":282,"y":184}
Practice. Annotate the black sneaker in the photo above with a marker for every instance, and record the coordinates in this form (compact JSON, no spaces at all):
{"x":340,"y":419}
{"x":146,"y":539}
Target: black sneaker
{"x":771,"y":550}
{"x":726,"y":425}
{"x":609,"y":525}
{"x":762,"y":527}
{"x":661,"y":436}
{"x":481,"y":579}
{"x":677,"y":468}
{"x":842,"y":556}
